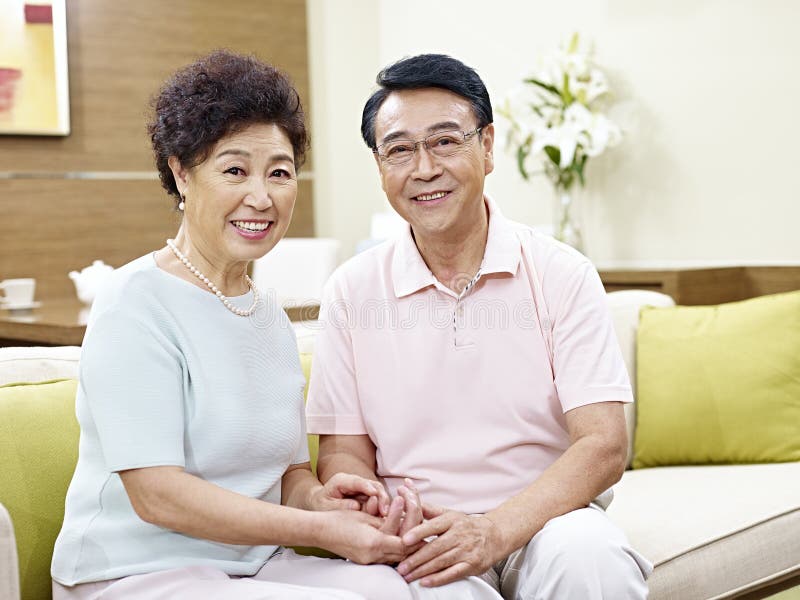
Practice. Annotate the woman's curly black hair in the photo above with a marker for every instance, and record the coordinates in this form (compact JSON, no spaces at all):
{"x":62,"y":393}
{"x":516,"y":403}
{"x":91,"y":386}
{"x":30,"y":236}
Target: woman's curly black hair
{"x":219,"y":94}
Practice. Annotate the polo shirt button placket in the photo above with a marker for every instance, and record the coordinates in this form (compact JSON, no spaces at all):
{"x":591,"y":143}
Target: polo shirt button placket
{"x":461,"y":337}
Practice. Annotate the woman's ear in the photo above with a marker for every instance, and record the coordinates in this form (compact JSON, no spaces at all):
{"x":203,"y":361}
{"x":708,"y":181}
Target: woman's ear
{"x":179,"y":173}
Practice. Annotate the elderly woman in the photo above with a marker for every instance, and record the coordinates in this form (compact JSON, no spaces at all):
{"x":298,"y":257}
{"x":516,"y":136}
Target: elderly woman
{"x":194,"y":467}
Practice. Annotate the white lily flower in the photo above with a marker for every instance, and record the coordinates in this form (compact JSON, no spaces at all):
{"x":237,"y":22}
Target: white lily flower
{"x":597,"y":86}
{"x":604,"y":134}
{"x":564,"y":137}
{"x":558,"y":107}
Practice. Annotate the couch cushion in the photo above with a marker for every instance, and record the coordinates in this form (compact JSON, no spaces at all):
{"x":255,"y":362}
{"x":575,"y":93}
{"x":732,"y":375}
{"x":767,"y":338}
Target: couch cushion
{"x":714,"y":529}
{"x":313,"y":438}
{"x":719,"y":384}
{"x":38,"y":363}
{"x":39,"y":449}
{"x":624,"y":306}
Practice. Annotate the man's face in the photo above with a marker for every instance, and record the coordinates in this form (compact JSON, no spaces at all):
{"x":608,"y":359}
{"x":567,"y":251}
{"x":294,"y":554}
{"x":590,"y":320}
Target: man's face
{"x":440,"y":196}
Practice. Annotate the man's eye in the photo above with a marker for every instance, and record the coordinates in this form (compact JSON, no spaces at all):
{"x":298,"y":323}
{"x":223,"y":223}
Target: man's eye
{"x":282,"y":173}
{"x":399,"y":149}
{"x":234,"y":171}
{"x":445,"y":140}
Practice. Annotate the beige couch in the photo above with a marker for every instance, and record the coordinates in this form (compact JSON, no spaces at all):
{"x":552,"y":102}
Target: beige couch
{"x":712,"y":531}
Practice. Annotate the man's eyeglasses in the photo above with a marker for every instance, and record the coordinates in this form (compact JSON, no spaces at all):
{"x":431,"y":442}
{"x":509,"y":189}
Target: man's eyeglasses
{"x":443,"y":143}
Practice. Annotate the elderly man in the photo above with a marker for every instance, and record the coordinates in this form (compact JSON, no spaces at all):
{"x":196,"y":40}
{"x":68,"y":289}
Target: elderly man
{"x":475,"y":358}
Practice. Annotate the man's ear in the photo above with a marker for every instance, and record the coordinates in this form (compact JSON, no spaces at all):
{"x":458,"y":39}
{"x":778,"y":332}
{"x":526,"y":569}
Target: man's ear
{"x":179,"y":173}
{"x":487,"y":146}
{"x":380,"y":171}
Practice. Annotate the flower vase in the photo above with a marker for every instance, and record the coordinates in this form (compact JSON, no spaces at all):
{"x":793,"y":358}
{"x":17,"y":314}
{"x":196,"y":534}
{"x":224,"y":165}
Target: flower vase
{"x":567,"y":227}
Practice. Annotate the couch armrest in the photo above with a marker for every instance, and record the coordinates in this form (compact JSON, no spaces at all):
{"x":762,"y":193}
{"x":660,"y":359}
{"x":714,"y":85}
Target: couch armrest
{"x":9,"y":568}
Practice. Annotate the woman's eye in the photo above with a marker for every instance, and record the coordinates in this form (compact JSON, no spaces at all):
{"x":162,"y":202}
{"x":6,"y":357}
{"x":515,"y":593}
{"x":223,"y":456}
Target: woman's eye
{"x":234,"y":171}
{"x":282,"y":173}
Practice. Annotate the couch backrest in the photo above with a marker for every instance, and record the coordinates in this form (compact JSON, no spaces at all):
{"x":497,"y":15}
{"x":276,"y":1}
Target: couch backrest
{"x":625,"y":306}
{"x":42,"y":364}
{"x":34,"y":364}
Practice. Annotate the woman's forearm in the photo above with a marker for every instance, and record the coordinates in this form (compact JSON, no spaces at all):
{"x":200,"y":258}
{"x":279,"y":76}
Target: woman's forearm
{"x":171,"y":498}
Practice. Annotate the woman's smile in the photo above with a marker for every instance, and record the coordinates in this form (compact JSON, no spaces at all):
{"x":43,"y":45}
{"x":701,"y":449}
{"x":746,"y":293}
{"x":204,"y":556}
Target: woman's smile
{"x":256,"y":229}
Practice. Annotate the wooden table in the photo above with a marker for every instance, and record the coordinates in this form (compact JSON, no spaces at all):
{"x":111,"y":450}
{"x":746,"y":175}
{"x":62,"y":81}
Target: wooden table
{"x":57,"y":322}
{"x":62,"y":322}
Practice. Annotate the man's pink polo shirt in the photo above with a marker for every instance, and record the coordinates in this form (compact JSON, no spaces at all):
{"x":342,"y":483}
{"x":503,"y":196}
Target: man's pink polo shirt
{"x":464,"y":396}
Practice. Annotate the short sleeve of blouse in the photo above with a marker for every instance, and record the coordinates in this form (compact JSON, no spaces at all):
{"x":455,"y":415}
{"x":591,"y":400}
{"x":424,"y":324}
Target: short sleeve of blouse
{"x":132,"y":381}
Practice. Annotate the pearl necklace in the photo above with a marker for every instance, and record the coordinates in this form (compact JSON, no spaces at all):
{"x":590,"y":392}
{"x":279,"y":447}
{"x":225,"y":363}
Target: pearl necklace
{"x":223,"y":298}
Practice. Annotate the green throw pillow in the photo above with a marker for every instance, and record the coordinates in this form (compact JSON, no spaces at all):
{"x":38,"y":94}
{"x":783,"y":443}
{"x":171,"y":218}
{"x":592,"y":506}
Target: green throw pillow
{"x":39,"y":449}
{"x":719,"y":384}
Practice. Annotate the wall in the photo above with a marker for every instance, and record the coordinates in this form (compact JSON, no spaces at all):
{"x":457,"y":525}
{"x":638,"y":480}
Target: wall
{"x":94,"y":194}
{"x":707,"y":91}
{"x":343,"y":62}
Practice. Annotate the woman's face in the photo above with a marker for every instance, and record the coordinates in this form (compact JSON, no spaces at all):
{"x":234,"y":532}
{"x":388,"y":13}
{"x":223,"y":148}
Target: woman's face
{"x":239,"y":200}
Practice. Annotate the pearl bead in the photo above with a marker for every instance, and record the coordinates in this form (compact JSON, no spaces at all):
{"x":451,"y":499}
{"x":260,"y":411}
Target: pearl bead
{"x":196,"y":272}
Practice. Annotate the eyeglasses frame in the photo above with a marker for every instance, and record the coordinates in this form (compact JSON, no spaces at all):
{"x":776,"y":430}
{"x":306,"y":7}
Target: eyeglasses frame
{"x":424,"y":141}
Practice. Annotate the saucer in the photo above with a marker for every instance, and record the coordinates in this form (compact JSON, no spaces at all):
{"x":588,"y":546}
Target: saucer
{"x":19,"y":305}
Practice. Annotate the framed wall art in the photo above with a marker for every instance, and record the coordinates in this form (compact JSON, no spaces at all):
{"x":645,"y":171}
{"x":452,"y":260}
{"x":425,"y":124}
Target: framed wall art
{"x":34,"y":85}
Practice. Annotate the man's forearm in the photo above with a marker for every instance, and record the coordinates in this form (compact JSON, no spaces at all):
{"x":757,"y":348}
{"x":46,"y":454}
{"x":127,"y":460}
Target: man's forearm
{"x":343,"y":462}
{"x":297,"y":486}
{"x":586,"y":469}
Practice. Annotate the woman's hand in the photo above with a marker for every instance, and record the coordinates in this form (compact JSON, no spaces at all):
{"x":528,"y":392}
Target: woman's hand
{"x":358,"y":536}
{"x":345,"y":491}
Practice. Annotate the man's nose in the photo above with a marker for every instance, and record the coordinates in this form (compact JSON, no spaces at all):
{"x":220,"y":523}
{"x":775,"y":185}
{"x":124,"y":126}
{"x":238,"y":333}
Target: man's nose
{"x":426,"y":166}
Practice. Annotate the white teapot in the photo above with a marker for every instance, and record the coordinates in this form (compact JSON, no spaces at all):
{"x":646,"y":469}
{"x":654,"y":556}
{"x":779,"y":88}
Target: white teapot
{"x":90,"y":279}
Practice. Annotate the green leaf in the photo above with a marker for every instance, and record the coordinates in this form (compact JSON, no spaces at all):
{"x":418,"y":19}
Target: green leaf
{"x":545,"y":86}
{"x":554,"y":154}
{"x":578,"y":166}
{"x":522,"y":154}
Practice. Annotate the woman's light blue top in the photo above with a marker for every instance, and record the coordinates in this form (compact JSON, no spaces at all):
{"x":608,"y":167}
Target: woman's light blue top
{"x":169,"y":376}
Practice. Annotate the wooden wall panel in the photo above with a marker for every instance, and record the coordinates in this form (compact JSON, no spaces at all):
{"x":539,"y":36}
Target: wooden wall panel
{"x":121,"y":52}
{"x":61,"y":225}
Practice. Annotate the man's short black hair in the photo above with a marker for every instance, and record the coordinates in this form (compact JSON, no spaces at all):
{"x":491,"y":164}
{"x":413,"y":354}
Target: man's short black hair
{"x":427,"y":71}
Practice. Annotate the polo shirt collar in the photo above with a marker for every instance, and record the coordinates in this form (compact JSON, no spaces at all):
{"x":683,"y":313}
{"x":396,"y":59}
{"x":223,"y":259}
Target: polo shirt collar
{"x":502,"y":255}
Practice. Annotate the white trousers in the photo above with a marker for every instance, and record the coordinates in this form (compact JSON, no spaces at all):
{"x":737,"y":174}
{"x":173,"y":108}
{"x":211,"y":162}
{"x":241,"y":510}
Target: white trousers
{"x":286,"y":576}
{"x":581,"y":555}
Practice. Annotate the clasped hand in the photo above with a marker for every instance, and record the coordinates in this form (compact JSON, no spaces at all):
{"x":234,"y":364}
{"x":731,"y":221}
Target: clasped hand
{"x":458,"y":545}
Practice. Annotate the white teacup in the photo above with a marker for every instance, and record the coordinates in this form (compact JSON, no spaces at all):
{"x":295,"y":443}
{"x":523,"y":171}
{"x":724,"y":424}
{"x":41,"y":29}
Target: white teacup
{"x":18,"y":291}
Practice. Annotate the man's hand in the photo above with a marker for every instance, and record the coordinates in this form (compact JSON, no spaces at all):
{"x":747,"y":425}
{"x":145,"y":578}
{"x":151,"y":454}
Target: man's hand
{"x":413,"y":508}
{"x":405,"y":513}
{"x":465,"y":545}
{"x":345,"y":491}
